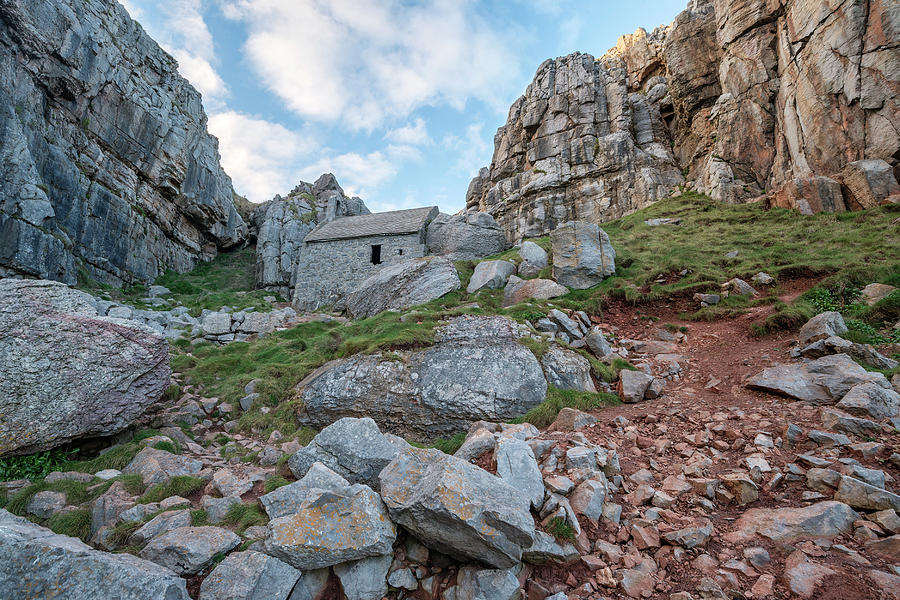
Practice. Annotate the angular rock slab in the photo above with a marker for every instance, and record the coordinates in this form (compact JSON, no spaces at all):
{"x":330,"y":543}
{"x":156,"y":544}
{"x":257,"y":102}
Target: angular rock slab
{"x":189,"y":550}
{"x":822,"y":326}
{"x":534,"y":259}
{"x":490,"y":584}
{"x":38,"y":563}
{"x":288,"y":499}
{"x":402,"y":285}
{"x":158,"y":466}
{"x":249,"y":576}
{"x":332,"y":527}
{"x":365,"y":579}
{"x":827,"y":519}
{"x":567,"y":370}
{"x":66,"y":373}
{"x":822,"y":381}
{"x":583,"y":256}
{"x":517,"y":466}
{"x":457,"y":508}
{"x":490,"y":275}
{"x":520,"y":290}
{"x":353,"y":448}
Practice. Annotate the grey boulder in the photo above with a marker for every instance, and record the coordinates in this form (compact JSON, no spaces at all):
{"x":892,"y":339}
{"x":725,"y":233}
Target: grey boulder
{"x":517,"y":466}
{"x":38,"y":563}
{"x":365,"y":579}
{"x":534,"y":259}
{"x":158,"y":466}
{"x":66,"y":373}
{"x":823,"y":325}
{"x":870,"y":400}
{"x":838,"y":345}
{"x":353,"y":448}
{"x":189,"y":550}
{"x":249,"y":576}
{"x":827,"y":519}
{"x":633,"y":385}
{"x":490,"y":275}
{"x":457,"y":508}
{"x":288,"y":499}
{"x":567,"y":370}
{"x":465,"y":237}
{"x":402,"y":285}
{"x":519,"y":290}
{"x":332,"y":527}
{"x":821,"y":381}
{"x":583,"y":256}
{"x":475,"y":583}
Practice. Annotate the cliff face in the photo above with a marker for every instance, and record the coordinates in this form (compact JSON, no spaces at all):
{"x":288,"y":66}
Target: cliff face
{"x":105,"y":161}
{"x":745,"y":99}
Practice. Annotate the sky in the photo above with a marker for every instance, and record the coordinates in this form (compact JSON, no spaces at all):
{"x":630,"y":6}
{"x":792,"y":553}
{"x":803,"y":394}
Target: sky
{"x":399,"y":99}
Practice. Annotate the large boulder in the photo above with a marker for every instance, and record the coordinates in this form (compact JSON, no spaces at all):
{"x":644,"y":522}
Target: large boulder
{"x":827,"y":519}
{"x":402,"y":285}
{"x":66,"y":373}
{"x":823,"y":325}
{"x":490,"y":274}
{"x":332,"y":527}
{"x":871,"y":400}
{"x":189,"y":550}
{"x":869,"y":182}
{"x":534,"y":259}
{"x":38,"y":563}
{"x":519,"y":290}
{"x":476,"y":371}
{"x":249,"y":576}
{"x":583,"y":256}
{"x":289,"y":498}
{"x":825,"y":380}
{"x":466,"y":236}
{"x":567,"y":370}
{"x":352,"y":448}
{"x":457,"y":508}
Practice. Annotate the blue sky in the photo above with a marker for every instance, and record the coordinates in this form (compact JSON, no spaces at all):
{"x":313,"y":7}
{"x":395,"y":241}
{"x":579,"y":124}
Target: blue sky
{"x":399,"y":99}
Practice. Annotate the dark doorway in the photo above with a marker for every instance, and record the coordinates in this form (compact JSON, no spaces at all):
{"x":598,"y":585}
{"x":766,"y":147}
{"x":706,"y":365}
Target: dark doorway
{"x":376,"y":254}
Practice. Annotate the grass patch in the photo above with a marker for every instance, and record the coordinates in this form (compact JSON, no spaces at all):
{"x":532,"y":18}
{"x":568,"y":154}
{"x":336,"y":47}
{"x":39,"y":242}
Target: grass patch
{"x":183,"y":485}
{"x":34,"y":466}
{"x":558,"y":528}
{"x":273,"y":483}
{"x":242,"y":516}
{"x":450,"y":445}
{"x":199,"y":517}
{"x":166,"y":447}
{"x":75,"y":523}
{"x":76,"y":493}
{"x":545,"y":413}
{"x":538,"y":347}
{"x":118,"y":537}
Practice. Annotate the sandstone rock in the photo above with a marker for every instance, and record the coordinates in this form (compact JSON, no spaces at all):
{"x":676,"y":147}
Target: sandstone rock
{"x":803,"y":576}
{"x":875,"y":292}
{"x":888,"y":548}
{"x":332,"y":527}
{"x":465,"y":237}
{"x":476,"y":371}
{"x":364,"y":579}
{"x":249,"y":576}
{"x":36,"y":562}
{"x":490,"y":274}
{"x":845,"y":423}
{"x":288,"y":499}
{"x":66,"y":373}
{"x":741,"y":487}
{"x":582,"y":255}
{"x":827,"y":519}
{"x":822,"y":381}
{"x":887,"y":519}
{"x":158,"y":466}
{"x":188,"y":550}
{"x":567,"y":370}
{"x":632,"y":385}
{"x":108,"y":165}
{"x":690,"y":537}
{"x":824,"y":325}
{"x":457,"y":508}
{"x":571,"y":419}
{"x":810,"y":195}
{"x":520,"y":290}
{"x":739,"y":287}
{"x":534,"y":259}
{"x":869,"y":182}
{"x":402,"y":285}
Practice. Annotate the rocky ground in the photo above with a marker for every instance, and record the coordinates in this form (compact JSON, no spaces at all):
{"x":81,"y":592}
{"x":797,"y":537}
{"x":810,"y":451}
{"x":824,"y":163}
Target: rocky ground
{"x":710,"y":490}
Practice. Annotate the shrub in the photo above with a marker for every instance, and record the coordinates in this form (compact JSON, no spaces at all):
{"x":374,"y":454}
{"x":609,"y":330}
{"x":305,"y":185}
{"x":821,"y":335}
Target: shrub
{"x":558,"y":528}
{"x":183,"y":485}
{"x":34,"y":466}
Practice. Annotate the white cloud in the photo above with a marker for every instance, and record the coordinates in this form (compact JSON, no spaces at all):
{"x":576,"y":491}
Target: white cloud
{"x":472,"y":148}
{"x":262,"y":158}
{"x":358,"y":62}
{"x":358,"y":174}
{"x":415,"y":134}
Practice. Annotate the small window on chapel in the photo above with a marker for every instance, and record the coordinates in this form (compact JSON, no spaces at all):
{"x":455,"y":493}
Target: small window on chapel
{"x":400,"y":251}
{"x":376,"y":254}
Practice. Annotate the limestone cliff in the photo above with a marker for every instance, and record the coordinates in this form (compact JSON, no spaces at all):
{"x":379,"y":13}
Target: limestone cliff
{"x":797,"y":100}
{"x":105,"y":161}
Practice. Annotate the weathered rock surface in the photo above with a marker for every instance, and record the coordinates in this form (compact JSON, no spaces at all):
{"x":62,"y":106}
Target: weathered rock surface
{"x":822,"y":381}
{"x":520,"y":290}
{"x":249,"y":576}
{"x":158,"y":466}
{"x":490,"y":274}
{"x":871,"y":400}
{"x":364,"y":579}
{"x":824,"y":519}
{"x":281,"y":224}
{"x":107,"y":164}
{"x":332,"y":527}
{"x":823,"y":325}
{"x":582,"y":255}
{"x":567,"y":370}
{"x":402,"y":285}
{"x":476,"y":371}
{"x":66,"y":373}
{"x":534,"y":259}
{"x":793,"y":98}
{"x":457,"y":508}
{"x":465,"y":237}
{"x":351,"y":448}
{"x":38,"y":563}
{"x":188,"y":550}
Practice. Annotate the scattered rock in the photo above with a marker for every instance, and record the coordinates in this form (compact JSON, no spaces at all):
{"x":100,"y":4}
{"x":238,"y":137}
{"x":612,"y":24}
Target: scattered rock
{"x":534,"y":259}
{"x":249,"y":576}
{"x":188,"y":550}
{"x":824,"y":325}
{"x":583,"y":256}
{"x":490,"y":274}
{"x":567,"y":370}
{"x":633,"y":385}
{"x":827,"y":519}
{"x":874,"y":293}
{"x":822,"y":381}
{"x":520,"y":290}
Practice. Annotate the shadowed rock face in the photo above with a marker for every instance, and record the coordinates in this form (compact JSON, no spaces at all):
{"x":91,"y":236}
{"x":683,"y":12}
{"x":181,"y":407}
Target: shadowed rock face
{"x":105,"y":160}
{"x":794,"y":98}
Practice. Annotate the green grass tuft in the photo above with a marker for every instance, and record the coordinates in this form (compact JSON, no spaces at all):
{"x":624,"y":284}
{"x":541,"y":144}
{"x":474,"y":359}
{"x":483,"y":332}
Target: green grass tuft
{"x":274,"y":482}
{"x":166,"y":447}
{"x":183,"y":485}
{"x":34,"y":466}
{"x":199,"y":517}
{"x":558,"y":528}
{"x":75,"y":523}
{"x":242,"y":516}
{"x":545,"y":413}
{"x":450,"y":445}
